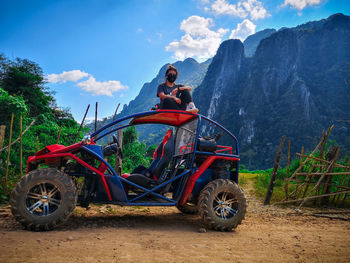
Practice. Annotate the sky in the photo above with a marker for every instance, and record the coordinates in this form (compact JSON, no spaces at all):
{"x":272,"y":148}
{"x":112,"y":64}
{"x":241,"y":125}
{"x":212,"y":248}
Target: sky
{"x":105,"y":50}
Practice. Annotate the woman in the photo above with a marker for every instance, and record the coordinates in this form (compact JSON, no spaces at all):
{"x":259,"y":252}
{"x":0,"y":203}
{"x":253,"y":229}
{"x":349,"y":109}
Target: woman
{"x":175,"y":96}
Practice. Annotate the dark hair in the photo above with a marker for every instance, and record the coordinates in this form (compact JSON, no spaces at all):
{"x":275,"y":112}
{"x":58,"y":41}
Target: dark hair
{"x":170,"y":67}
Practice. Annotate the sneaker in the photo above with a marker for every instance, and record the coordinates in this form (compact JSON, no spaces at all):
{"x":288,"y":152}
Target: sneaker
{"x":191,"y":108}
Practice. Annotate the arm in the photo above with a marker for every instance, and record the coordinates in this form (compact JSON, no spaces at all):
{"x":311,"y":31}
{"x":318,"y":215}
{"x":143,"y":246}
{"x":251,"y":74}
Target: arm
{"x":185,"y":87}
{"x":162,"y":96}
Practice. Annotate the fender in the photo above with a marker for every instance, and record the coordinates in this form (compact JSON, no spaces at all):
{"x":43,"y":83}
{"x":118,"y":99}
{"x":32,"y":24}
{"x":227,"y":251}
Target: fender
{"x":193,"y":178}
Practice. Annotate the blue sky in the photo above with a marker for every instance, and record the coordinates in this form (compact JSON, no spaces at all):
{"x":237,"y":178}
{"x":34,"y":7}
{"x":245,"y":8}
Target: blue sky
{"x":105,"y":50}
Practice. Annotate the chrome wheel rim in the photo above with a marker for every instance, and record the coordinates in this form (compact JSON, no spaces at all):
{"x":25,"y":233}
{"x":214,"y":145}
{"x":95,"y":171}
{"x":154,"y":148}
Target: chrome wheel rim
{"x":225,"y":205}
{"x":43,"y":199}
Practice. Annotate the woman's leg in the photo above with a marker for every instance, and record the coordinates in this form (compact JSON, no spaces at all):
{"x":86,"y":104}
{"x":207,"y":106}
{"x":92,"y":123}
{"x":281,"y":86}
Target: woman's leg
{"x":185,"y":97}
{"x":171,"y":104}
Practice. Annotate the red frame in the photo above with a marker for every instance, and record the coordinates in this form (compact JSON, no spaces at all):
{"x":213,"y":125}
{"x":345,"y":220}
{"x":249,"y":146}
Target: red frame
{"x":193,"y":178}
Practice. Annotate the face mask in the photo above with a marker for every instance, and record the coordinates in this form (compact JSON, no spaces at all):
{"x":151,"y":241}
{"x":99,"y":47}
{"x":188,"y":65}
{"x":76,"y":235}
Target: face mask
{"x":171,"y":77}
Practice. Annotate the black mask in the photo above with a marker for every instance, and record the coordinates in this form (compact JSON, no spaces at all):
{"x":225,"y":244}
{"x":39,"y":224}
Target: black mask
{"x":171,"y":77}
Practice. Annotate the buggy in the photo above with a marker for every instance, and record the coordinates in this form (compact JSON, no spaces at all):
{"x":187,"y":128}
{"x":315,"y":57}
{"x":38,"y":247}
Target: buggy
{"x":189,"y":170}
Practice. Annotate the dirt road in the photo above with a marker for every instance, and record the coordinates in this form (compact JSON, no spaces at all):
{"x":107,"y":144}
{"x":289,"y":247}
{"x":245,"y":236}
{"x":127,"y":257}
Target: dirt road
{"x":127,"y":234}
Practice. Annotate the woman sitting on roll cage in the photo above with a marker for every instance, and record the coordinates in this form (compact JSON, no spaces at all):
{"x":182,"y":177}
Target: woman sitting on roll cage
{"x":174,"y":96}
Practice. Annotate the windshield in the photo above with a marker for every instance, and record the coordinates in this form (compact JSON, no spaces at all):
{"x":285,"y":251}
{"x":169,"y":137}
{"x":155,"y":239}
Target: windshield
{"x":185,"y":137}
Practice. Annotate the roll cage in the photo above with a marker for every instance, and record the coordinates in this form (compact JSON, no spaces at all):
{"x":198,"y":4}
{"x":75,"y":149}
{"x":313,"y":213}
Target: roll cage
{"x":114,"y":184}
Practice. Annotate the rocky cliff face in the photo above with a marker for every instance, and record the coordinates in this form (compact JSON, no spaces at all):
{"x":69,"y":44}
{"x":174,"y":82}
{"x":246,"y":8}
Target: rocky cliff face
{"x":253,"y":41}
{"x":296,"y":84}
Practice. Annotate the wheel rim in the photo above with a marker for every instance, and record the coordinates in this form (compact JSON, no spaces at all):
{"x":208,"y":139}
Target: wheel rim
{"x":225,"y":205}
{"x":43,"y":199}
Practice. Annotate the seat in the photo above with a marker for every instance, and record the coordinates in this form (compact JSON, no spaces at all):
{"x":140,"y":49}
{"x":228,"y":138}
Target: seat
{"x":151,"y":176}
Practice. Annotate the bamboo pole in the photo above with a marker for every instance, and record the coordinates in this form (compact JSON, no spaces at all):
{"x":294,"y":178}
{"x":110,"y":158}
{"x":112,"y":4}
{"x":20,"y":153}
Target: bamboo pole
{"x":301,"y":155}
{"x":325,"y":161}
{"x":309,"y":198}
{"x":330,"y":173}
{"x":2,"y":135}
{"x":3,"y":149}
{"x":20,"y":147}
{"x":287,"y":176}
{"x":274,"y":172}
{"x":118,"y":160}
{"x":59,"y":135}
{"x":96,"y":115}
{"x":8,"y":153}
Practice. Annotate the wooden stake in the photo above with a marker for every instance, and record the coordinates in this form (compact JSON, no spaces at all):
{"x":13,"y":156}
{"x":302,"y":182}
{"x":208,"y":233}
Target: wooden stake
{"x":96,"y":115}
{"x":287,"y":176}
{"x":59,"y":135}
{"x":37,"y":143}
{"x":8,"y":153}
{"x":301,"y":155}
{"x":2,"y":135}
{"x":274,"y":172}
{"x":20,"y":147}
{"x":81,"y":124}
{"x":118,"y":161}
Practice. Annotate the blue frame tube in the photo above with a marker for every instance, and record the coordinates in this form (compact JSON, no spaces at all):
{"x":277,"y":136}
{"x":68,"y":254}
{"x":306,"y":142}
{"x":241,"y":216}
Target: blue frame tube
{"x":161,"y":185}
{"x":147,"y":191}
{"x":156,"y":112}
{"x":114,"y":130}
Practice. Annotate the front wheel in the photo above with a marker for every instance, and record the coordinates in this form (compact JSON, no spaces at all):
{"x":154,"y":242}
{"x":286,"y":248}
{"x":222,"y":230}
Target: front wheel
{"x":43,"y":199}
{"x":222,"y":205}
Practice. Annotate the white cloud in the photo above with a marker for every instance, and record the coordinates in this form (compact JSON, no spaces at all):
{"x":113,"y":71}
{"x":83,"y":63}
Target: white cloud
{"x":242,"y":9}
{"x":300,"y":4}
{"x":73,"y":75}
{"x":199,"y":40}
{"x":243,"y":30}
{"x":101,"y":88}
{"x":255,"y":9}
{"x":221,"y":7}
{"x":89,"y":85}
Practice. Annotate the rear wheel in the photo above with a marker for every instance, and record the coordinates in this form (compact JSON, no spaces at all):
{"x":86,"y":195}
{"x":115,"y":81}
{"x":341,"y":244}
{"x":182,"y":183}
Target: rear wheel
{"x":222,"y":205}
{"x":43,"y":199}
{"x":188,"y":208}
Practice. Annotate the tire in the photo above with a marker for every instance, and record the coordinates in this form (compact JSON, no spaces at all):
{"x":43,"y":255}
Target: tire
{"x":43,"y":199}
{"x":215,"y":211}
{"x":188,"y":208}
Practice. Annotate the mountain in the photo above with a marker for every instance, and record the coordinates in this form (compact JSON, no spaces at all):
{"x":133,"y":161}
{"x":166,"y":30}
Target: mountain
{"x":296,"y":84}
{"x":251,"y":42}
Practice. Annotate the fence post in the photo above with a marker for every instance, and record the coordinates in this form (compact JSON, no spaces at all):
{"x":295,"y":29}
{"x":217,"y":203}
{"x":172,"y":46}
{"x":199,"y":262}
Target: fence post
{"x":59,"y":135}
{"x":274,"y":173}
{"x":8,"y":153}
{"x":118,"y":161}
{"x":2,"y":135}
{"x":20,"y":146}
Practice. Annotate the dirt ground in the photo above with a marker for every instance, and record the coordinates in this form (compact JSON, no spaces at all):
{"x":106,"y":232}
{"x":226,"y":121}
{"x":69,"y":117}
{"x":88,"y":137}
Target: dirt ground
{"x":155,"y":234}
